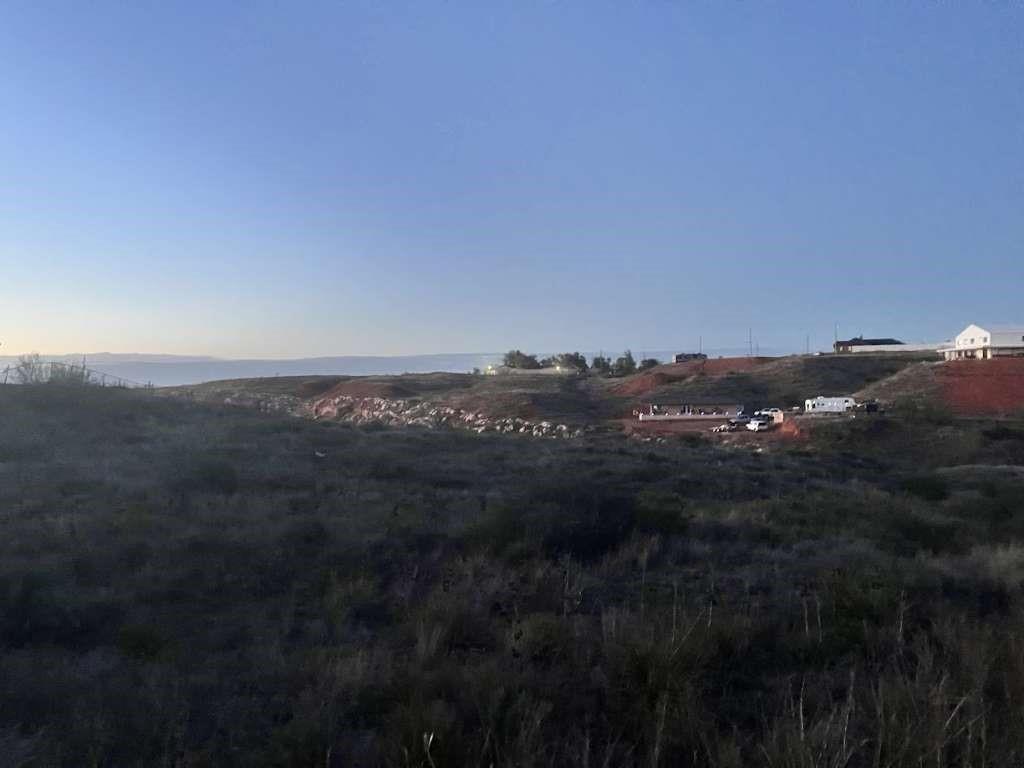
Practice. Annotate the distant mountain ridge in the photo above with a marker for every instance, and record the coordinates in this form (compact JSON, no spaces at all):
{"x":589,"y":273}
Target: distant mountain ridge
{"x":171,"y":370}
{"x":107,"y":358}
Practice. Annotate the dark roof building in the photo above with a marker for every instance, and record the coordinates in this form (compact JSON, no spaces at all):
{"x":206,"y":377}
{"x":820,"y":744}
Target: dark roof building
{"x":685,"y":357}
{"x":859,"y":341}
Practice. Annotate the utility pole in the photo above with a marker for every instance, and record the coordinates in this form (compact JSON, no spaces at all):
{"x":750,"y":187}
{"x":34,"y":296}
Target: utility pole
{"x":750,"y":342}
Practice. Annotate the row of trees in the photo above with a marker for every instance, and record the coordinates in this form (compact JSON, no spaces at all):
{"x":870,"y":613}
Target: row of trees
{"x":599,"y":364}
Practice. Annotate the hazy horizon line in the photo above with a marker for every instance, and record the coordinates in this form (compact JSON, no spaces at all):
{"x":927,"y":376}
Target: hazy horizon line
{"x":173,"y":357}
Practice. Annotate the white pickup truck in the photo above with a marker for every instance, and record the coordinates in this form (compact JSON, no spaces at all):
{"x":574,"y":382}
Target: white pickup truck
{"x":760,"y":425}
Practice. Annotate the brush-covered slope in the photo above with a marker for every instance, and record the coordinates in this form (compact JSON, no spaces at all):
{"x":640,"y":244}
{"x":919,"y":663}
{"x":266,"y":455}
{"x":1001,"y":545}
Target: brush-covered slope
{"x":783,"y":381}
{"x":189,"y":585}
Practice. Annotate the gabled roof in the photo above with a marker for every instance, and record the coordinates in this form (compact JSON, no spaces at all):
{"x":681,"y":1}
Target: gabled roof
{"x":995,"y":328}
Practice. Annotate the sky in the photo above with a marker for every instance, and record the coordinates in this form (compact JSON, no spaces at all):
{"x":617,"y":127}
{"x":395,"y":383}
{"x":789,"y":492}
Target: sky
{"x":270,"y":179}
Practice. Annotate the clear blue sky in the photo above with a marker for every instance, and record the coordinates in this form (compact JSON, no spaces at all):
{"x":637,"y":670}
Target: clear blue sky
{"x":285,"y":179}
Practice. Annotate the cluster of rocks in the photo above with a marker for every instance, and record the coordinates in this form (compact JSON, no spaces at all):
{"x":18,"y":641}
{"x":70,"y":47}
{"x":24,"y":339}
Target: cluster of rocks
{"x":382,"y":410}
{"x":647,"y":438}
{"x":277,"y":404}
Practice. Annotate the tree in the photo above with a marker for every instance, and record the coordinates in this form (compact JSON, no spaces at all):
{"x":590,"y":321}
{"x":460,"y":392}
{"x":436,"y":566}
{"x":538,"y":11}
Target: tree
{"x":648,"y":363}
{"x":571,"y":360}
{"x":30,"y":369}
{"x":624,"y":365}
{"x":601,"y":365}
{"x":576,"y":360}
{"x":516,"y":359}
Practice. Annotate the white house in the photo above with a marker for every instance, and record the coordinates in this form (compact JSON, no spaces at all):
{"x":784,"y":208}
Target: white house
{"x":976,"y":342}
{"x":821,"y":404}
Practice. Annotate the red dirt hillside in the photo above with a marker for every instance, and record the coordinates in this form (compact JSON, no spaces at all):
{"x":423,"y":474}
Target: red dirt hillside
{"x":645,"y":382}
{"x":983,"y":387}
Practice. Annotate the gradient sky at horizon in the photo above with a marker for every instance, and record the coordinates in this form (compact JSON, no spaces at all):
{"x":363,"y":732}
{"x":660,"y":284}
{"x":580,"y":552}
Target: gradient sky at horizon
{"x":272,"y":179}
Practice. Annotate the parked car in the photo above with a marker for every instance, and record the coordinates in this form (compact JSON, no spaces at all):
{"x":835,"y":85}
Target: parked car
{"x":759,"y":425}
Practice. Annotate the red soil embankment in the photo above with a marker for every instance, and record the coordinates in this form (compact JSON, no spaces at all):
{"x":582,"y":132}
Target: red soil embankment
{"x":983,"y":387}
{"x":645,"y":382}
{"x":790,"y":429}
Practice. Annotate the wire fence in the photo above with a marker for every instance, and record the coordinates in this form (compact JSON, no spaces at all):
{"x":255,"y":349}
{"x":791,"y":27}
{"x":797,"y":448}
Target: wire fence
{"x":41,"y":372}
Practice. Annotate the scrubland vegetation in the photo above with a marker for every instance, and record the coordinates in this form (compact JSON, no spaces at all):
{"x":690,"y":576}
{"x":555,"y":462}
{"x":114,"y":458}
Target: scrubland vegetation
{"x":190,"y":585}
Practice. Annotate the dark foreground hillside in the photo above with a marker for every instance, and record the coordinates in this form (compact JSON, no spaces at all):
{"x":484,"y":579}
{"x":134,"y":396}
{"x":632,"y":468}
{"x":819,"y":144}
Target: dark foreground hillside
{"x":182,"y":585}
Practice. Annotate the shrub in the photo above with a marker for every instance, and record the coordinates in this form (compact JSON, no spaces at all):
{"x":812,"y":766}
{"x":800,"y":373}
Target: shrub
{"x":30,"y":369}
{"x":661,"y":512}
{"x":927,"y":487}
{"x":624,"y":365}
{"x":517,"y":359}
{"x":139,"y":641}
{"x":206,"y":475}
{"x":587,"y":528}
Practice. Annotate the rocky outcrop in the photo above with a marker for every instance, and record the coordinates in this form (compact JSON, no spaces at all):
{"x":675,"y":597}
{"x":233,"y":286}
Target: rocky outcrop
{"x":382,"y":410}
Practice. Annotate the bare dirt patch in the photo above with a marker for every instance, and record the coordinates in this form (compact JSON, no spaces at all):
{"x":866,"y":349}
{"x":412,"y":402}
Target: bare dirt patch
{"x":983,"y":387}
{"x":648,"y":381}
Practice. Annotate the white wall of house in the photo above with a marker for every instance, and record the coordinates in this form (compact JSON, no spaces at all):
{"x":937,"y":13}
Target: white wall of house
{"x":895,"y":348}
{"x":976,"y":342}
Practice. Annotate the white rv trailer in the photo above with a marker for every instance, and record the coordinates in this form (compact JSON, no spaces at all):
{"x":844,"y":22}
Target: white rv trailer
{"x":821,"y":404}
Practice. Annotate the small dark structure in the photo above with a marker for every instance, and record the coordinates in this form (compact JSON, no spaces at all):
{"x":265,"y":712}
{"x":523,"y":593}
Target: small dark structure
{"x":686,"y":357}
{"x":847,"y":345}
